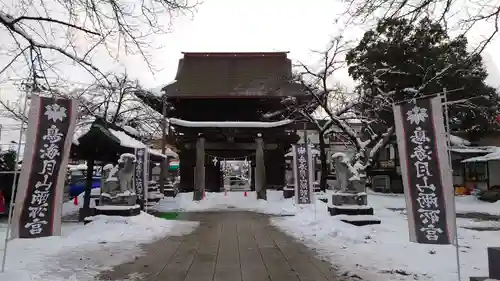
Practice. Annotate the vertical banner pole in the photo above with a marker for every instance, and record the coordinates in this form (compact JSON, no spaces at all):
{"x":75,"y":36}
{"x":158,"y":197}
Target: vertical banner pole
{"x":14,"y":186}
{"x":295,"y":173}
{"x":146,"y":179}
{"x":448,"y":140}
{"x":313,"y":196}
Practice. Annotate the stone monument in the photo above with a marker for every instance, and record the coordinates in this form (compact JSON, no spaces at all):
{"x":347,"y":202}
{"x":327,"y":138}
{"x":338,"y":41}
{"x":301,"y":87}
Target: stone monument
{"x":118,"y":196}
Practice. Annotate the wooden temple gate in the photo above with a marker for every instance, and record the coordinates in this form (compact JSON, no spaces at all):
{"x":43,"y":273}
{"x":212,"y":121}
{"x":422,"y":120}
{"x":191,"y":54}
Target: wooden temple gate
{"x":263,"y":147}
{"x":219,"y":106}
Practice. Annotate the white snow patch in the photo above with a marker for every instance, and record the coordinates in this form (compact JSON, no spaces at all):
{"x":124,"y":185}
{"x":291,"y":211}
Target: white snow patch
{"x":226,"y":124}
{"x":458,"y":141}
{"x":372,"y":252}
{"x":116,"y":207}
{"x":356,"y":218}
{"x":474,"y":149}
{"x":126,"y":140}
{"x":69,"y":207}
{"x":158,"y":90}
{"x":275,"y":204}
{"x":126,"y":155}
{"x":338,"y":154}
{"x":375,"y":252}
{"x":131,"y":131}
{"x":168,"y":152}
{"x":84,"y":250}
{"x":108,"y":167}
{"x":95,"y":191}
{"x":495,"y":155}
{"x":350,"y":207}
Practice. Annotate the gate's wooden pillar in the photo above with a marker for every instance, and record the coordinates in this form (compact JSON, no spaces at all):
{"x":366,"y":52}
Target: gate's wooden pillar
{"x":199,"y":186}
{"x":218,"y":178}
{"x":260,"y":170}
{"x":252,"y":176}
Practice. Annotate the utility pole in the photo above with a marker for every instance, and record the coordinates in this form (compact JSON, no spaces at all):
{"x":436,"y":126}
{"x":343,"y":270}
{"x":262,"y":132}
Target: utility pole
{"x":163,"y":143}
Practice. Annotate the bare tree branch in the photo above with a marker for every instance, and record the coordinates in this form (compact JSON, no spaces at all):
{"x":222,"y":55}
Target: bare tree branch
{"x":74,"y":30}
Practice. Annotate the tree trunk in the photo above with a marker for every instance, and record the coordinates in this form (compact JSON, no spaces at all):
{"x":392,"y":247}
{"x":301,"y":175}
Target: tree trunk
{"x":323,"y":158}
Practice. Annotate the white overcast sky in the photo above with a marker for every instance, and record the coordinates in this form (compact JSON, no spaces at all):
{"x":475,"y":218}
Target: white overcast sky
{"x":247,"y":25}
{"x":261,"y":25}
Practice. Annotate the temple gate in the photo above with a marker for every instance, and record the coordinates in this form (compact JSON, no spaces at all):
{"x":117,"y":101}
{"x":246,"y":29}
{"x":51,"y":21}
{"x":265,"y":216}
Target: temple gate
{"x":229,"y":105}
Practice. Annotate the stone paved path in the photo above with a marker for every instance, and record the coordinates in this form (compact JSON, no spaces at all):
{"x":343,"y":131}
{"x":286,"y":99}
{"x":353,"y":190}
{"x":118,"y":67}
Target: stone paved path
{"x":227,"y":246}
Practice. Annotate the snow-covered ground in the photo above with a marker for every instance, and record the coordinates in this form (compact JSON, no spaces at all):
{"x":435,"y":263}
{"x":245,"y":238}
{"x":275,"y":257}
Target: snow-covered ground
{"x":275,"y":205}
{"x":70,"y":208}
{"x":84,"y":250}
{"x":383,"y":252}
{"x":374,"y":253}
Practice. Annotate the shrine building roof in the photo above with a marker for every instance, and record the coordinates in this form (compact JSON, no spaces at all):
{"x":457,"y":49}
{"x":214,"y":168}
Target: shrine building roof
{"x":242,"y":74}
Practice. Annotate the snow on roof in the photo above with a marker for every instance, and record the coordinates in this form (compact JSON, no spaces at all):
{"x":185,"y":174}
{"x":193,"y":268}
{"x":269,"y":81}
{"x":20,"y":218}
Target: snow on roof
{"x":126,"y":140}
{"x":168,"y":152}
{"x":474,"y":149}
{"x":131,"y":131}
{"x":488,"y":157}
{"x":226,"y":124}
{"x":458,"y":141}
{"x":77,"y":167}
{"x":158,"y":90}
{"x":129,"y":141}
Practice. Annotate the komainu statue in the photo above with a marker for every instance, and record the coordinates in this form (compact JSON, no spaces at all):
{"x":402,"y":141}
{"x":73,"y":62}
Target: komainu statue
{"x":117,"y":184}
{"x":125,"y":173}
{"x":342,"y":172}
{"x":350,"y":187}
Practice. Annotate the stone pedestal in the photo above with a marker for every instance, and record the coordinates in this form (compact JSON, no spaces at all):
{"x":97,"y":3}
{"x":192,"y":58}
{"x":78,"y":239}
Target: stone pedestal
{"x":154,"y":195}
{"x":123,"y":211}
{"x":82,"y":215}
{"x":118,"y":200}
{"x":122,"y":205}
{"x":353,"y":208}
{"x":339,"y":199}
{"x":288,"y":192}
{"x":493,"y":268}
{"x":170,"y":191}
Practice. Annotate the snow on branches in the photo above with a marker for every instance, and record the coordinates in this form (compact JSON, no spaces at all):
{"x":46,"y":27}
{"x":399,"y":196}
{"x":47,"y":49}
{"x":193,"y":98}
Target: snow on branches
{"x":339,"y":107}
{"x":40,"y":36}
{"x":115,"y":103}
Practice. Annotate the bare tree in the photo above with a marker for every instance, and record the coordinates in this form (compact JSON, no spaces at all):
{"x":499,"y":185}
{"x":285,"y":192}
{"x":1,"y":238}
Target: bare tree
{"x":37,"y":36}
{"x":332,"y":60}
{"x":115,"y":103}
{"x":340,"y":108}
